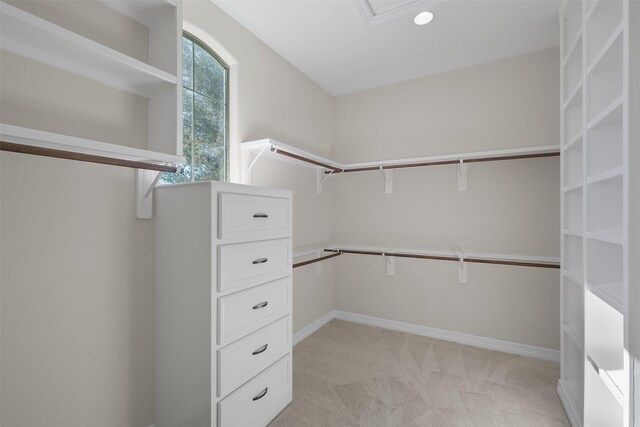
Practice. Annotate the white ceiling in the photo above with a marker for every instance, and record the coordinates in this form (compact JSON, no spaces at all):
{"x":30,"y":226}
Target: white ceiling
{"x":347,"y":46}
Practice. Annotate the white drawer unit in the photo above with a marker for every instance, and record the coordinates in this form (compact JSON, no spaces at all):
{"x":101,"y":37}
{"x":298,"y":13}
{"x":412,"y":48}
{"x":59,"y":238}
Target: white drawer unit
{"x":251,"y":217}
{"x":242,"y":360}
{"x":246,"y":264}
{"x":223,"y":304}
{"x":243,"y":312}
{"x":252,"y":404}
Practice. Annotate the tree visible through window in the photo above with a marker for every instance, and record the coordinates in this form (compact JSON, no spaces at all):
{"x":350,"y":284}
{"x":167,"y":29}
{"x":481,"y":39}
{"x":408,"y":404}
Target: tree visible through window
{"x":204,"y":114}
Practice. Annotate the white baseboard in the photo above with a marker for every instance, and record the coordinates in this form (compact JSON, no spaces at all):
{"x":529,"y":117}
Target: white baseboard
{"x":474,"y":340}
{"x":313,"y":326}
{"x":569,"y":405}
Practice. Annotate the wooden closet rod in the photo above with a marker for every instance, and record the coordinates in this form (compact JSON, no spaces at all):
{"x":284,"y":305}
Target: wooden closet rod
{"x":312,"y":261}
{"x":305,"y":159}
{"x":456,"y":259}
{"x":61,"y":154}
{"x":448,"y":162}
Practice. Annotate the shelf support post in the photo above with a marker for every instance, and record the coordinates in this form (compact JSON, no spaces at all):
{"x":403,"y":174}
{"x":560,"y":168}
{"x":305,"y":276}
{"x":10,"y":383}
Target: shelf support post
{"x":463,"y":272}
{"x":462,"y":176}
{"x":146,"y":180}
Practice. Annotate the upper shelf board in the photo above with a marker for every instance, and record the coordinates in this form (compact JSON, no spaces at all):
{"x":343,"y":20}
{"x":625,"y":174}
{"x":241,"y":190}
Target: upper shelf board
{"x":141,"y":11}
{"x":37,"y":138}
{"x":267,"y":147}
{"x":35,"y":38}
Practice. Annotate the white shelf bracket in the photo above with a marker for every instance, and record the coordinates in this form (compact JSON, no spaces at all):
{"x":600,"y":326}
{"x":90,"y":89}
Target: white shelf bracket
{"x":388,"y":180}
{"x":321,"y":177}
{"x":247,"y":172}
{"x":146,"y":181}
{"x":462,"y":176}
{"x":463,"y":272}
{"x":391,"y":265}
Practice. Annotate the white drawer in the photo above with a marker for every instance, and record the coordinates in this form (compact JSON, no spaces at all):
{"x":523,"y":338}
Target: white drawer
{"x":246,"y":264}
{"x":243,"y":312}
{"x":242,"y":360}
{"x":258,"y":401}
{"x":243,"y":216}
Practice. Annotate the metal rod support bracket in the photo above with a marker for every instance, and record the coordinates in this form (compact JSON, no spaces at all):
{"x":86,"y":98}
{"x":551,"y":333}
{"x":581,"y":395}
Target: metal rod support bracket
{"x":388,"y":180}
{"x":462,"y":176}
{"x":463,"y":272}
{"x":391,"y":264}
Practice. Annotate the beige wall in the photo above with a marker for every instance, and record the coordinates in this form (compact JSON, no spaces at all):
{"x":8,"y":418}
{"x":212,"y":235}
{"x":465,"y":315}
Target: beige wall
{"x":509,"y":208}
{"x":77,"y":267}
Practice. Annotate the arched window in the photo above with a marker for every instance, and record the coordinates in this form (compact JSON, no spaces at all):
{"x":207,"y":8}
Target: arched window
{"x":205,"y":110}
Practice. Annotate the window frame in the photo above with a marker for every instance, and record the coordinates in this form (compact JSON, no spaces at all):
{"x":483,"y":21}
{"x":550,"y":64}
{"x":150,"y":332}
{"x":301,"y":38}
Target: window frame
{"x":195,"y":40}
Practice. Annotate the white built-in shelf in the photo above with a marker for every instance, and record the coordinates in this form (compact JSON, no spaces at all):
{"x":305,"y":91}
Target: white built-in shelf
{"x":575,"y":96}
{"x":573,"y":187}
{"x":572,"y":232}
{"x":594,"y":6}
{"x":38,"y":138}
{"x":609,"y":236}
{"x":603,"y":176}
{"x":602,"y":53}
{"x":572,"y":48}
{"x":575,"y":332}
{"x":35,"y":38}
{"x":574,"y":277}
{"x":610,"y":380}
{"x":576,"y":142}
{"x":610,"y":293}
{"x":138,"y":10}
{"x":610,"y":114}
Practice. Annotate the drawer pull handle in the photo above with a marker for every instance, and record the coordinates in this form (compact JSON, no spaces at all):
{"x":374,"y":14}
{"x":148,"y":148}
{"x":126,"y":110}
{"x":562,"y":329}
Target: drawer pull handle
{"x":261,"y":394}
{"x":260,"y":350}
{"x":260,"y":215}
{"x":263,"y":304}
{"x":260,"y":260}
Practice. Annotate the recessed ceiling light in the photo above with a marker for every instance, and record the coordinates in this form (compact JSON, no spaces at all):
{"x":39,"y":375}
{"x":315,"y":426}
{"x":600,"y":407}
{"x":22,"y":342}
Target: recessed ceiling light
{"x":423,"y":18}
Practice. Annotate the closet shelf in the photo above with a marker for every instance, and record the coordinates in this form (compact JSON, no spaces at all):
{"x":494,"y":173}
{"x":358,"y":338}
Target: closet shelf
{"x":572,"y":232}
{"x":575,"y":331}
{"x":472,"y":257}
{"x":276,"y":149}
{"x":572,"y":48}
{"x":573,"y":276}
{"x":610,"y":114}
{"x":574,"y":143}
{"x":35,"y":38}
{"x":596,"y":4}
{"x":31,"y":141}
{"x":605,"y":48}
{"x":573,"y":187}
{"x":612,"y":378}
{"x":611,"y":293}
{"x":609,"y":236}
{"x":575,"y":97}
{"x":603,"y":176}
{"x":140,"y":11}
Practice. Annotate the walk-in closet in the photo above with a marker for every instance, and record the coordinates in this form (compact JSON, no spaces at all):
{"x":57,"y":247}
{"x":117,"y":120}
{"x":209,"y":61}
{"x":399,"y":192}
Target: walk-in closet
{"x":243,"y":213}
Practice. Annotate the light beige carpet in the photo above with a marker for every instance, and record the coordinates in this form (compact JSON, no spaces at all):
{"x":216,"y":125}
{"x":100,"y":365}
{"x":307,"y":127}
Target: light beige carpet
{"x":347,"y":374}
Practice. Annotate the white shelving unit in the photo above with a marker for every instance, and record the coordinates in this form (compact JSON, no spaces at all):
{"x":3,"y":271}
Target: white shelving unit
{"x":596,"y":372}
{"x":158,"y":80}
